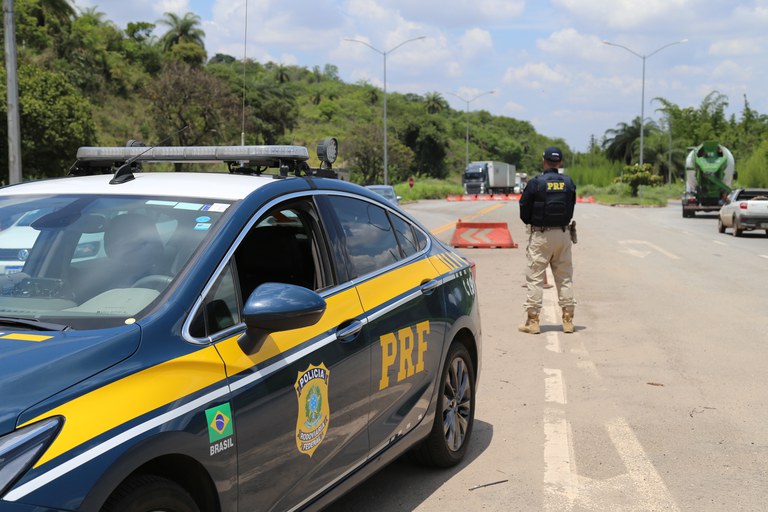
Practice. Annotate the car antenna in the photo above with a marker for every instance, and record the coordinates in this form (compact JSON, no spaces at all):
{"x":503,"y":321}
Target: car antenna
{"x":245,"y":43}
{"x":124,"y":173}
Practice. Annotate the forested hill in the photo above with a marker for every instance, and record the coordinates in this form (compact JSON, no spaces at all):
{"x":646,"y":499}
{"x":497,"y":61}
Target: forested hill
{"x":85,"y":81}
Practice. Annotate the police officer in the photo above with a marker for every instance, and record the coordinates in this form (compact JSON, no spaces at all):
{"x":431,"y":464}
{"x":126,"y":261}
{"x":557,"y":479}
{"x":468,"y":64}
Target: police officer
{"x":546,"y":207}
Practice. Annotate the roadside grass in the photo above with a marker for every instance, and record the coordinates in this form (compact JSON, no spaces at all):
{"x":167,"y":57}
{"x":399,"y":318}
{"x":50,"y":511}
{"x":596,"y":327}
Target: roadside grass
{"x":427,"y":188}
{"x":646,"y":196}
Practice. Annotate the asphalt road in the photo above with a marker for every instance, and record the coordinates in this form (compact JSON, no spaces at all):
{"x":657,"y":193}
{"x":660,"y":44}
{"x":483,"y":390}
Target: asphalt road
{"x":658,"y":401}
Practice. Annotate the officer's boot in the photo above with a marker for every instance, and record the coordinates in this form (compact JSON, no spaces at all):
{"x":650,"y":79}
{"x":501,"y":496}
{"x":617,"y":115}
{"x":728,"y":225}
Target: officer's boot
{"x":531,"y":325}
{"x":568,"y":320}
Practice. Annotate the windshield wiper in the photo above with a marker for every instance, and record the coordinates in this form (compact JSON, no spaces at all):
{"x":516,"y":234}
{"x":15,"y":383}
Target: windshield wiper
{"x":30,"y":323}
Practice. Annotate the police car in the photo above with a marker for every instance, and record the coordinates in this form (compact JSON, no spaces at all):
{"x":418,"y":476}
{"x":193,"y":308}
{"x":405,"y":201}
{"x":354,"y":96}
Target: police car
{"x":232,"y":341}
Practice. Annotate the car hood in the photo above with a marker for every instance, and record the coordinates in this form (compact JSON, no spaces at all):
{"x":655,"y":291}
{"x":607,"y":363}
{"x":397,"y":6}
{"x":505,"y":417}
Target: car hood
{"x":18,"y":237}
{"x":36,"y":365}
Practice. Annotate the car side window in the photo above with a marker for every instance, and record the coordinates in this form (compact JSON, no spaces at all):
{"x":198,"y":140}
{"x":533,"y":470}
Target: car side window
{"x":370,"y":239}
{"x":221,"y":307}
{"x":406,"y":236}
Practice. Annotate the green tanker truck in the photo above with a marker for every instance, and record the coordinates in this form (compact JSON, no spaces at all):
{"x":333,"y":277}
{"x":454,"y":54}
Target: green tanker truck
{"x":709,"y":174}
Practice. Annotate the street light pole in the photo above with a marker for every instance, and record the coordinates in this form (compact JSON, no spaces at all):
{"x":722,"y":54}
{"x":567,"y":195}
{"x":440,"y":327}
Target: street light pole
{"x":642,"y":100}
{"x":384,"y":55}
{"x":468,"y":101}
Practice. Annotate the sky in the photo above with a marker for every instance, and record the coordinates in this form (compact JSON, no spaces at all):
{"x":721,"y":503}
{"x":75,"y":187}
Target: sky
{"x":546,"y":61}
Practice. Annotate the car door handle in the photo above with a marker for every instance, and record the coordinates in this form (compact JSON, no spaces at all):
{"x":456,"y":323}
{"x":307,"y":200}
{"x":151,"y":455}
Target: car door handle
{"x":429,"y":286}
{"x":349,"y":332}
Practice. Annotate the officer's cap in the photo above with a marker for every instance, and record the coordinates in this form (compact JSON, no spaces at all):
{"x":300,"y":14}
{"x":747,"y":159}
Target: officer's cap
{"x":553,"y":154}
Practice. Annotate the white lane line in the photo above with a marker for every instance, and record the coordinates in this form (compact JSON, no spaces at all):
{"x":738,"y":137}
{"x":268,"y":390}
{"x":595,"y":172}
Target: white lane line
{"x":719,"y":242}
{"x":648,"y":487}
{"x":550,"y":315}
{"x":652,"y":246}
{"x":554,"y":389}
{"x":764,"y":256}
{"x":560,"y":481}
{"x":553,"y":341}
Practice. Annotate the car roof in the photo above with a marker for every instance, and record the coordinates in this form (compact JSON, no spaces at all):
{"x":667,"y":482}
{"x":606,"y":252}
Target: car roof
{"x":152,"y":184}
{"x":383,"y":187}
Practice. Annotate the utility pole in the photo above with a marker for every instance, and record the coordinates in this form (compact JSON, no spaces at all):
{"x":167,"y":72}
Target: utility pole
{"x":14,"y":128}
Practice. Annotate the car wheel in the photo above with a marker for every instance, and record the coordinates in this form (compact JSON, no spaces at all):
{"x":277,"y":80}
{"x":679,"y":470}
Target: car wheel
{"x":149,"y":493}
{"x":455,"y":412}
{"x":736,"y":230}
{"x":720,"y":225}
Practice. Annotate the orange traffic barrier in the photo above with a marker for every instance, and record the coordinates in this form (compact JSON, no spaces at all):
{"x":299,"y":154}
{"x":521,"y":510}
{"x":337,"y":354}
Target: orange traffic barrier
{"x":482,"y":235}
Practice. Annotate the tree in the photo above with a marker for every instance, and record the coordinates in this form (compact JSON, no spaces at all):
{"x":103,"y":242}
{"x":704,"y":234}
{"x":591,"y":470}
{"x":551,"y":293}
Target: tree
{"x":281,"y":73}
{"x":185,"y":29}
{"x":636,"y":175}
{"x":434,"y":103}
{"x":194,"y":106}
{"x":620,"y":143}
{"x":365,"y":155}
{"x":55,"y":120}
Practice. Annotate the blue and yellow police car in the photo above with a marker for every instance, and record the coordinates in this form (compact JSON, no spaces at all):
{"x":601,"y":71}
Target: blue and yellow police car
{"x":258,"y":339}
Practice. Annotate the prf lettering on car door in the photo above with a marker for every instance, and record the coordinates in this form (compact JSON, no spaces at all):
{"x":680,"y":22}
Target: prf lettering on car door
{"x":405,"y":350}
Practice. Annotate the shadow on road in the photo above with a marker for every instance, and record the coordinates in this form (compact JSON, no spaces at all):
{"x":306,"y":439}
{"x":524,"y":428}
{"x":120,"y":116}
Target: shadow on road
{"x":404,"y":485}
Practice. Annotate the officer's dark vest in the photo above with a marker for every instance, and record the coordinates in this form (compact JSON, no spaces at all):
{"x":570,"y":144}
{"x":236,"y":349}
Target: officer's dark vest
{"x":553,"y":200}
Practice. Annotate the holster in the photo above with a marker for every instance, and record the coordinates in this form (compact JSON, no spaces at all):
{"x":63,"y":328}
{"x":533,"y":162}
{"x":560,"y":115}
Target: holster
{"x":572,"y":229}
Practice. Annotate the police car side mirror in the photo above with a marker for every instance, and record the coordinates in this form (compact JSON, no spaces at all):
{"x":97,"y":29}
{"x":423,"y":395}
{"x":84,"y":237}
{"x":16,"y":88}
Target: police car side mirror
{"x":274,"y":307}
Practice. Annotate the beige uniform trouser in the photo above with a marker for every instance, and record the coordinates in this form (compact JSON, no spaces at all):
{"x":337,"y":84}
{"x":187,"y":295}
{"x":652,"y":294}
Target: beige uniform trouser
{"x":549,"y":248}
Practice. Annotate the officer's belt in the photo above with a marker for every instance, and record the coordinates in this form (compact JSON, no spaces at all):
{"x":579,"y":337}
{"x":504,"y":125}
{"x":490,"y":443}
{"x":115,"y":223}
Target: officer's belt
{"x":546,"y":228}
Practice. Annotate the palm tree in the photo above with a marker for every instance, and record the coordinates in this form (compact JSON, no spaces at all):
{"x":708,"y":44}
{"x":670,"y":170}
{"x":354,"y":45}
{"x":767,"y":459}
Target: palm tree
{"x":181,"y":30}
{"x":621,"y":143}
{"x":434,"y":103}
{"x":281,"y":73}
{"x":61,"y":10}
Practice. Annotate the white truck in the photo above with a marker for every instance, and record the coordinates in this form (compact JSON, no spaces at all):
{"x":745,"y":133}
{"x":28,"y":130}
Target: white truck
{"x":489,"y":177}
{"x":745,"y":209}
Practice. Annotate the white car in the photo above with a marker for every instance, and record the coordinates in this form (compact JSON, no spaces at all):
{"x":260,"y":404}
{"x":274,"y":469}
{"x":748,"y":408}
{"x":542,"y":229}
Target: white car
{"x":387,"y":192}
{"x":745,"y":209}
{"x":17,"y":240}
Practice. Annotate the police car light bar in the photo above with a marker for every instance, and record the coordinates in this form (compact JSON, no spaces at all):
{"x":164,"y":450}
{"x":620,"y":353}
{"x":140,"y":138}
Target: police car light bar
{"x":255,"y":154}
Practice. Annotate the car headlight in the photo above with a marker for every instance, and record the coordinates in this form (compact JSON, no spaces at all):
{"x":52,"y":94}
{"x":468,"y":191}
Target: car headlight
{"x":21,"y":448}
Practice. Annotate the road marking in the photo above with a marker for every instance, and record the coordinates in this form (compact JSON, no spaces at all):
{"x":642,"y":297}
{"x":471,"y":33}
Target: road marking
{"x":719,"y":242}
{"x":764,"y":256}
{"x":553,"y":341}
{"x":560,"y":481}
{"x":652,"y":246}
{"x":647,"y":487}
{"x":554,"y":389}
{"x":482,"y":212}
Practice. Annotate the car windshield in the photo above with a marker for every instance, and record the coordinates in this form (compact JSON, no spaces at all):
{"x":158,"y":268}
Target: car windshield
{"x":94,"y":261}
{"x":475,"y":170}
{"x":386,"y":192}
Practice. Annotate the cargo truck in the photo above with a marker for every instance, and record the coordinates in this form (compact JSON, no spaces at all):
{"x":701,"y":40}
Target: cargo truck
{"x":488,"y":177}
{"x":709,"y":173}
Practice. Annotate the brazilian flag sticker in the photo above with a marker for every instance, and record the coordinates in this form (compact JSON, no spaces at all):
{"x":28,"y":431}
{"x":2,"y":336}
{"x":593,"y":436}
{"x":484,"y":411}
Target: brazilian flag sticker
{"x":219,"y":422}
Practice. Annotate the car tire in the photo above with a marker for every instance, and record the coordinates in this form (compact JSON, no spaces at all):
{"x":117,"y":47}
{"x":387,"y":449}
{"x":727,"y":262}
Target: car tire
{"x":455,"y":412}
{"x":720,"y":225}
{"x":149,"y":493}
{"x":737,"y":231}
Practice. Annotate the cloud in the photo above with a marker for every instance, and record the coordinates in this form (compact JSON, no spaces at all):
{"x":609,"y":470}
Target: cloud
{"x":569,"y":43}
{"x":475,"y":41}
{"x":738,"y":47}
{"x":450,"y":14}
{"x":535,"y":76}
{"x":631,"y":14}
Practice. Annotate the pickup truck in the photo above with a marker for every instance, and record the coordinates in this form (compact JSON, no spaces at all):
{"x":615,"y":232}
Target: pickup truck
{"x":745,"y":209}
